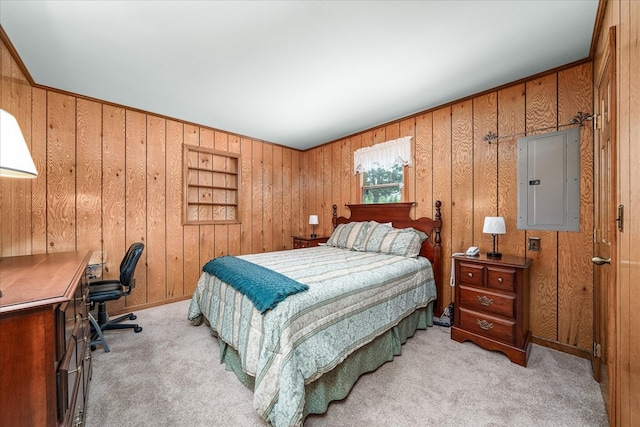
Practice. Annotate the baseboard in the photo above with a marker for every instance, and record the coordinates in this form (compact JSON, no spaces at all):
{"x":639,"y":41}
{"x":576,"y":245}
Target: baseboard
{"x":565,"y":348}
{"x":133,"y":308}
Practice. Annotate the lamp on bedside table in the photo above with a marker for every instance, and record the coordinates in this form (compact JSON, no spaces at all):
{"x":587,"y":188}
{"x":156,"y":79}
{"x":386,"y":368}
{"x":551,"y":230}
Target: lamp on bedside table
{"x":494,"y":225}
{"x":15,"y":160}
{"x":313,"y":220}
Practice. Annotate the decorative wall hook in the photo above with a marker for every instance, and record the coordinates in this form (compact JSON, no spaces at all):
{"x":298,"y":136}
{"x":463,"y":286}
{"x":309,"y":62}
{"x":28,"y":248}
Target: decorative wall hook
{"x":581,"y":117}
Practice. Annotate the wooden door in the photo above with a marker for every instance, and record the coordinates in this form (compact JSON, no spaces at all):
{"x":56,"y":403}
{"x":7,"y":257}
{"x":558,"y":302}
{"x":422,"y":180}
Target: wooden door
{"x":604,"y":245}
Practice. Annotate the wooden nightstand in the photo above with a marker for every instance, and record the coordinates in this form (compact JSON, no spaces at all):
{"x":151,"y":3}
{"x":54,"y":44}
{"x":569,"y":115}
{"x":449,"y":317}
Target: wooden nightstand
{"x":307,"y":242}
{"x":491,"y":305}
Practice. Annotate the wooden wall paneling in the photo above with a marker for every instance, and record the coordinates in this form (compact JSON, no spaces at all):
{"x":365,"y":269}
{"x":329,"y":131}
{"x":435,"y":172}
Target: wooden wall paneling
{"x":61,"y":171}
{"x":221,"y":231}
{"x":355,"y":196}
{"x":378,"y":135}
{"x":113,"y":195}
{"x":392,"y":131}
{"x":311,"y":173}
{"x":442,"y":191}
{"x":337,"y":170}
{"x":246,"y":196}
{"x":276,"y":197}
{"x":6,"y":187}
{"x":191,"y":233}
{"x":257,"y":206}
{"x":629,"y":316}
{"x":174,"y":228}
{"x":287,"y":200}
{"x":267,"y":198}
{"x":462,"y":168}
{"x":485,"y":169}
{"x":156,"y":196}
{"x":234,"y":230}
{"x":89,"y":175}
{"x":20,"y":94}
{"x":324,"y":210}
{"x":408,"y":128}
{"x":628,"y":95}
{"x":511,"y":121}
{"x":39,"y":185}
{"x":541,"y":112}
{"x":305,"y":191}
{"x":297,"y":193}
{"x":318,"y":189}
{"x":424,"y":165}
{"x":136,"y":198}
{"x":575,"y":275}
{"x":205,"y":212}
{"x":346,"y":177}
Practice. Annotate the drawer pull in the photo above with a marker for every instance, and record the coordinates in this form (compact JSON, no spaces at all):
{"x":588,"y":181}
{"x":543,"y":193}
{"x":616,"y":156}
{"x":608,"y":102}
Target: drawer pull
{"x":470,"y":274}
{"x":485,"y":300}
{"x":499,"y":279}
{"x":485,"y":325}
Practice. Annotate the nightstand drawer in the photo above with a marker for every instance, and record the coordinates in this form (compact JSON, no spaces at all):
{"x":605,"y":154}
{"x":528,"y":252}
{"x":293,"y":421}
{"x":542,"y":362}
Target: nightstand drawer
{"x":488,"y":326}
{"x":298,"y":243}
{"x":502,"y":279}
{"x":489,"y":302}
{"x":471,"y":274}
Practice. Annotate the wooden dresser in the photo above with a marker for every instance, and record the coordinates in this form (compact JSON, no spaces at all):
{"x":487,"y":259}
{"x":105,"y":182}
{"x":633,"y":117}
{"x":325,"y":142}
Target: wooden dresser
{"x":45,"y":360}
{"x":307,"y":242}
{"x":492,"y":304}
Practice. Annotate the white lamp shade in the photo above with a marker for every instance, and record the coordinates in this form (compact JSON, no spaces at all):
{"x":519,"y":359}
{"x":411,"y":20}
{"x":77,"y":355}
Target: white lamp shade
{"x":15,"y":160}
{"x":313,"y":219}
{"x":494,"y":225}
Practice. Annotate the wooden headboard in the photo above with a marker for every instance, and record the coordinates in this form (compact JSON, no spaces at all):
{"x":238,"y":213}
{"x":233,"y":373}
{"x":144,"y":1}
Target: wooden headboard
{"x":399,"y":215}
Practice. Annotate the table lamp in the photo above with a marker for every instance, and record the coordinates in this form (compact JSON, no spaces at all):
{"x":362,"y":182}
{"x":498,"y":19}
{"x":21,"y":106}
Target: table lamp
{"x":313,"y":220}
{"x":494,"y":225}
{"x":15,"y":160}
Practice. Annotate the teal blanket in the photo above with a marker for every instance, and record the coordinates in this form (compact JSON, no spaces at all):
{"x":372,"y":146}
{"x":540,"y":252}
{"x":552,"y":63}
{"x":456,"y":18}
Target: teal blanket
{"x":265,"y":288}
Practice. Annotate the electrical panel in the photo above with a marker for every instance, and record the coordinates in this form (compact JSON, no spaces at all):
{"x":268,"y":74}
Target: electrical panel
{"x":549,"y":181}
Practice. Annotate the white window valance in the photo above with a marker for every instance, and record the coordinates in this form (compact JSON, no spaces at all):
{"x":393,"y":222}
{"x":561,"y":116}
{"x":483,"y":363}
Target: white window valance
{"x":383,"y":155}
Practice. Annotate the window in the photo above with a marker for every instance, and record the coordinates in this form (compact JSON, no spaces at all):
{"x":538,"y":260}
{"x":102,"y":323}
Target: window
{"x":211,"y":186}
{"x":380,"y":185}
{"x":381,"y":169}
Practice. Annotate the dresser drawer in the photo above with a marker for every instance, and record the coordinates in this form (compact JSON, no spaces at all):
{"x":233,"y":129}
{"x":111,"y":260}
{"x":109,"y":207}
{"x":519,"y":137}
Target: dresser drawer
{"x":471,"y":274}
{"x":488,"y":302}
{"x":70,"y":374}
{"x":501,"y":279}
{"x":488,"y":326}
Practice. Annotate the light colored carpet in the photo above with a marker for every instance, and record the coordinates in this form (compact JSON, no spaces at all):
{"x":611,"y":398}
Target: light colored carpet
{"x":170,"y":375}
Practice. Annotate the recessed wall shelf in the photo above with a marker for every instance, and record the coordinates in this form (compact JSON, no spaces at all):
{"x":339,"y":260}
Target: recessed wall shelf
{"x":211,"y":186}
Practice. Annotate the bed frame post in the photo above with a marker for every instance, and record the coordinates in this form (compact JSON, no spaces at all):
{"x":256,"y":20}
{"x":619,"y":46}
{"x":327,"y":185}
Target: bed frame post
{"x":437,"y":260}
{"x":335,"y":216}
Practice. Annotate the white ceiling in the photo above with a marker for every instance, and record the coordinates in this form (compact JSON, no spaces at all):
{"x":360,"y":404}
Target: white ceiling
{"x":296,"y":73}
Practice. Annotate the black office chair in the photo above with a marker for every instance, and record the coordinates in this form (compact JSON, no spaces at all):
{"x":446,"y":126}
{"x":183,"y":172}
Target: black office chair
{"x":107,"y":290}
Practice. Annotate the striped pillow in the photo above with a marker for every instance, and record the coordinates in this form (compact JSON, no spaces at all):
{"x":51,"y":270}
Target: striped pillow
{"x":348,"y":236}
{"x":383,"y":239}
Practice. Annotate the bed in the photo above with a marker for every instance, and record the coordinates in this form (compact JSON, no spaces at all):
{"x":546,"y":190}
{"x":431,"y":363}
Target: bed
{"x":354,"y":301}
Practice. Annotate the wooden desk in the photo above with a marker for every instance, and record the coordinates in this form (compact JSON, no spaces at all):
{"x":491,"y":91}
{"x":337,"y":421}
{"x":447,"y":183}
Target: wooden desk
{"x":45,"y":360}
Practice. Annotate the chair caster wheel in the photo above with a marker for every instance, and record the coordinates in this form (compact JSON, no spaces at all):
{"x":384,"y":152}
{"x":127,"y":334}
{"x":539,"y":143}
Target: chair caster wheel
{"x":137,"y":329}
{"x":132,"y":317}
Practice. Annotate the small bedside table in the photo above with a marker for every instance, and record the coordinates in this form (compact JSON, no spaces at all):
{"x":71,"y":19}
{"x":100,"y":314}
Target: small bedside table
{"x":307,"y":242}
{"x":492,"y":304}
